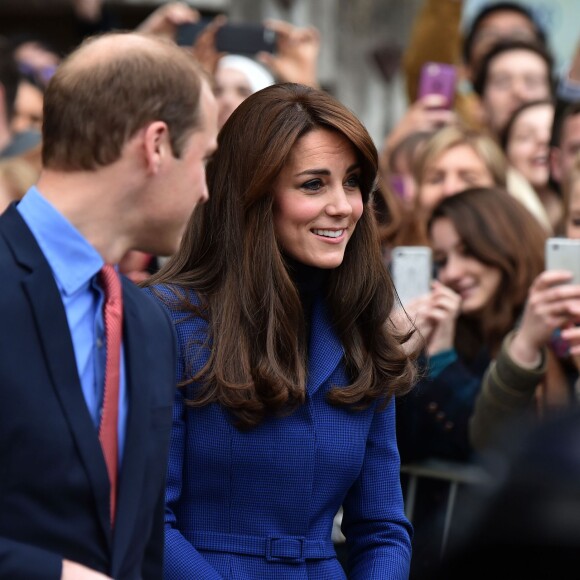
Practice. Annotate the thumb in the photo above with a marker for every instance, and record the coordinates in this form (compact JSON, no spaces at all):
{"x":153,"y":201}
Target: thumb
{"x":267,"y":60}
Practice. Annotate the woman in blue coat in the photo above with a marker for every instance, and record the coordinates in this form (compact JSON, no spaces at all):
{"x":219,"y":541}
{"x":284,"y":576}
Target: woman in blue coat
{"x":289,"y":360}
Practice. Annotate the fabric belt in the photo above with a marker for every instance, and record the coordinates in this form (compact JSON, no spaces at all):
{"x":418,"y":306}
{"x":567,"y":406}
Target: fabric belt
{"x":288,"y":549}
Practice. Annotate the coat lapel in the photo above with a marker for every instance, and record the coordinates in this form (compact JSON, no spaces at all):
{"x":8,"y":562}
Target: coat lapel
{"x":326,"y":349}
{"x":55,"y":339}
{"x":137,"y":429}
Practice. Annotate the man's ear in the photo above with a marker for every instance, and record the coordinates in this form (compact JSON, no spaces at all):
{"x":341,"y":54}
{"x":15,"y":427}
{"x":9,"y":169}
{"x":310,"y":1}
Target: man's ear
{"x":156,"y":144}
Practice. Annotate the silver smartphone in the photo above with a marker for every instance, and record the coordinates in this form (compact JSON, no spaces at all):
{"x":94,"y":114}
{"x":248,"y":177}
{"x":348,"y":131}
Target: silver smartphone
{"x":564,"y":254}
{"x":411,"y":270}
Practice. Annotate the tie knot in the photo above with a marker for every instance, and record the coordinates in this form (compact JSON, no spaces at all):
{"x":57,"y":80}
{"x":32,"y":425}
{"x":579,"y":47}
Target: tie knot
{"x":110,"y":282}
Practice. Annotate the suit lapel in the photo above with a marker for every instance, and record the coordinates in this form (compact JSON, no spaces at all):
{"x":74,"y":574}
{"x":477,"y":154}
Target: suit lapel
{"x":137,"y":429}
{"x":326,"y":349}
{"x":55,"y":339}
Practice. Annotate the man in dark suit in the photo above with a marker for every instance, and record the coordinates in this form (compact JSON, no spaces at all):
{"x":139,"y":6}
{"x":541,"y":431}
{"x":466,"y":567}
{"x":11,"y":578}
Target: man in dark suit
{"x":129,"y":122}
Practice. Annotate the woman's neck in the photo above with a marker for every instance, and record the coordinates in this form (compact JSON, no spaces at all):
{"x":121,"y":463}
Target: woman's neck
{"x":310,"y":280}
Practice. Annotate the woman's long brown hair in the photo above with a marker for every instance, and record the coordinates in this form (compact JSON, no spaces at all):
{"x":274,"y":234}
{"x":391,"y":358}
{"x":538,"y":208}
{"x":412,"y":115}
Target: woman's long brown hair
{"x":230,"y":257}
{"x":499,"y":231}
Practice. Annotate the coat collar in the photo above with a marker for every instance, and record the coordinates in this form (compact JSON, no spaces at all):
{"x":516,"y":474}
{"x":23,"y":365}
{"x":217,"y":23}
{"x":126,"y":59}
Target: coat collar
{"x":325,"y":351}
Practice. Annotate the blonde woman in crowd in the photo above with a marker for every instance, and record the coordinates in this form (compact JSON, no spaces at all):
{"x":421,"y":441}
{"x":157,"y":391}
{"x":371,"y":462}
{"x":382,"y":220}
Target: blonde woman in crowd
{"x":457,"y":158}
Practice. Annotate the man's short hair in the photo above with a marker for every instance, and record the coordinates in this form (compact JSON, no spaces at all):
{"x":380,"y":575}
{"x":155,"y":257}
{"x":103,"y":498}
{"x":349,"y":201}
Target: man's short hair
{"x":504,"y":46}
{"x":95,"y":103}
{"x":488,"y":9}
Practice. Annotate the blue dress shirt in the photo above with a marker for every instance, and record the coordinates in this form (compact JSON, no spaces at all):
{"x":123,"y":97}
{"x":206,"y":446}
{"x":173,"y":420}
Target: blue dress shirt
{"x":75,"y":265}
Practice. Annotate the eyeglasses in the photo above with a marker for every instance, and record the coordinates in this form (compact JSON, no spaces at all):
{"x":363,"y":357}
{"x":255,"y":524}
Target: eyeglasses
{"x":506,"y":82}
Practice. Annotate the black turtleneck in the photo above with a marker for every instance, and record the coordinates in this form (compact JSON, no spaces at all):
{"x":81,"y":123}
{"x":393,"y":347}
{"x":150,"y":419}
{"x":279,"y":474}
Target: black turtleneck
{"x":310,"y":282}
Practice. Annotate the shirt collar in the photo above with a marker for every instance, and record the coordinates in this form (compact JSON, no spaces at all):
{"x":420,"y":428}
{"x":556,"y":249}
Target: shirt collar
{"x":73,"y":260}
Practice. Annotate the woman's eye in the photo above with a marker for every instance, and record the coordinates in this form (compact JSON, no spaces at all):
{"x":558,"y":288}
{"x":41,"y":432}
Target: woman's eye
{"x":472,"y":179}
{"x":312,"y":185}
{"x":243,"y":92}
{"x":501,"y":82}
{"x":520,"y":137}
{"x":533,"y":82}
{"x":353,"y":181}
{"x":433,"y":178}
{"x":463,"y":250}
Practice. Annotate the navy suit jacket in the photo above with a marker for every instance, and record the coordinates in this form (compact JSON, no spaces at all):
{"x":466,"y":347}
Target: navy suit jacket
{"x":54,"y":487}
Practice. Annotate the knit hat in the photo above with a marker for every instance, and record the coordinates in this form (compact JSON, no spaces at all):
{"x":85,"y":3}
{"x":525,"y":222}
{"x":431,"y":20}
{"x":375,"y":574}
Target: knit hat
{"x":258,"y":76}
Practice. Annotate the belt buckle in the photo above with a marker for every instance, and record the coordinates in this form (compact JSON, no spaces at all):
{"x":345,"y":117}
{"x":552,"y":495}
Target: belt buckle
{"x":289,"y":541}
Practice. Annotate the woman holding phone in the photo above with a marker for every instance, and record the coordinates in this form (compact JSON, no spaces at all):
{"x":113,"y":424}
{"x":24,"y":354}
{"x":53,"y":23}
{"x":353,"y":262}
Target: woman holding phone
{"x":548,"y":330}
{"x":487,"y":251}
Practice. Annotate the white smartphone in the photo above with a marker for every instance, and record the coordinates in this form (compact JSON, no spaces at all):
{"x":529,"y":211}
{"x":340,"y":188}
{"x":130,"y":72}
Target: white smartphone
{"x":411,"y":269}
{"x":564,"y":254}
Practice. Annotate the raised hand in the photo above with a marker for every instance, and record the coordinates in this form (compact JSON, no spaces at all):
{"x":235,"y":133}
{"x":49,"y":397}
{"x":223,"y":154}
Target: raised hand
{"x":551,"y":304}
{"x":444,"y":309}
{"x":426,"y":114}
{"x":165,"y":20}
{"x":296,"y":59}
{"x":435,"y":315}
{"x":204,"y":48}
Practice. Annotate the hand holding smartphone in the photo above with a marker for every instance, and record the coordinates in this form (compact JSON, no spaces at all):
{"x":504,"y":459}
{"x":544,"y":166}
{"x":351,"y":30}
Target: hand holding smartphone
{"x":246,"y":38}
{"x":564,"y":254}
{"x":411,"y":269}
{"x":438,"y":78}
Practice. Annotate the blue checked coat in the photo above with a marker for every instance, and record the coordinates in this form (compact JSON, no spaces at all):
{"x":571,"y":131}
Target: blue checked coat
{"x":260,"y":504}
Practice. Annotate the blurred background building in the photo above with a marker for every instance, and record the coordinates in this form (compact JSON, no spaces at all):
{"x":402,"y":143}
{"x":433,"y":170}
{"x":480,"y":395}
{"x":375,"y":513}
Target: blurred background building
{"x":362,"y":40}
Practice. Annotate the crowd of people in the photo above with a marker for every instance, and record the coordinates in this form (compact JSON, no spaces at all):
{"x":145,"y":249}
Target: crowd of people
{"x":483,"y":181}
{"x":205,"y":357}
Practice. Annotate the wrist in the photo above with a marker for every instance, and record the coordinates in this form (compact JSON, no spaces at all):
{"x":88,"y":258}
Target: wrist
{"x":523,"y":353}
{"x":440,"y":361}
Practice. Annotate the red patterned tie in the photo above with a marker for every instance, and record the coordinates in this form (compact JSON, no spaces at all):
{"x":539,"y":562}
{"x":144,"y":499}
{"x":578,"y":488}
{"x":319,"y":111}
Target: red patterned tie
{"x":113,"y":317}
